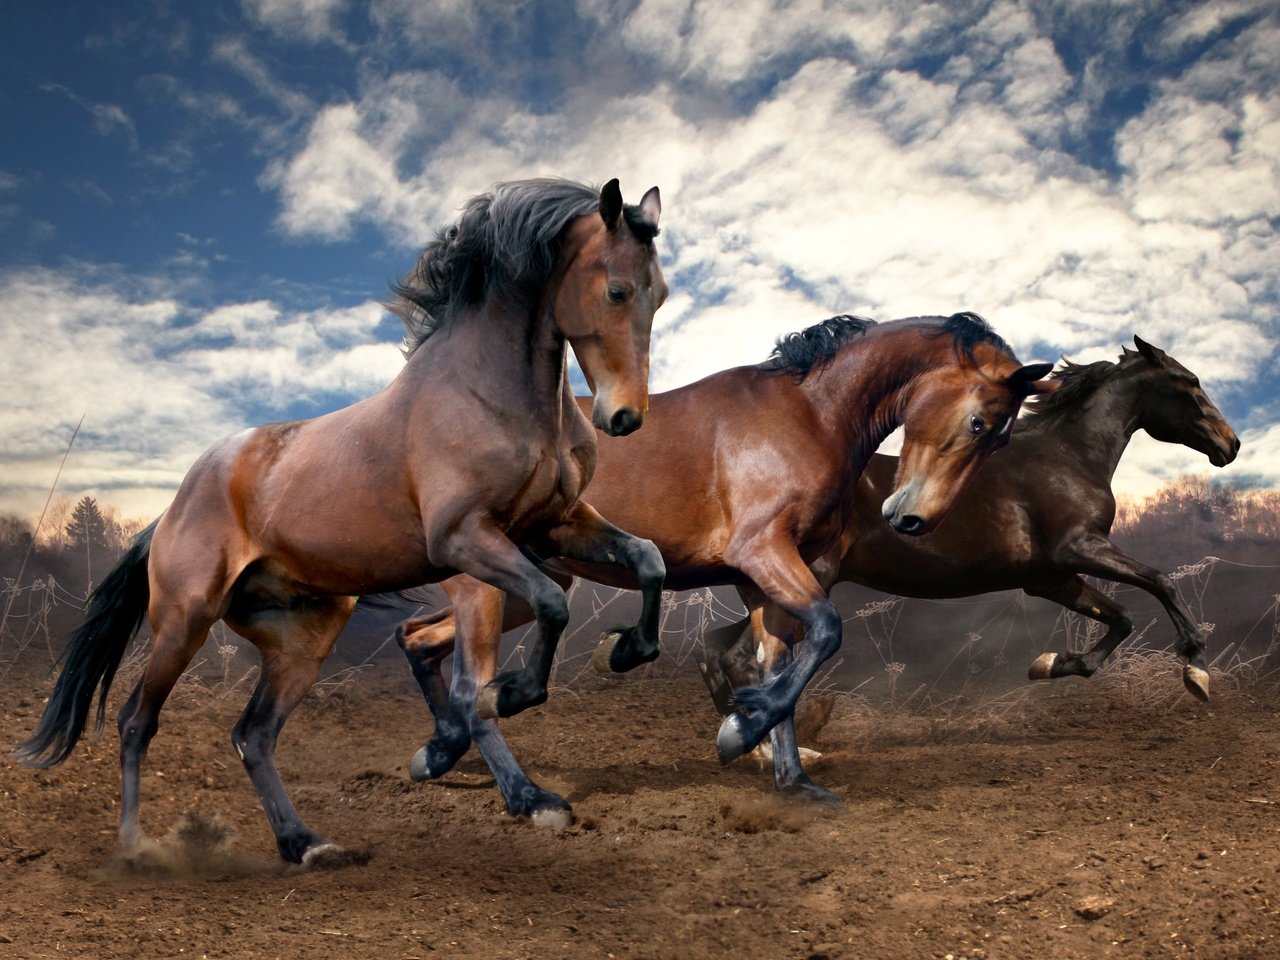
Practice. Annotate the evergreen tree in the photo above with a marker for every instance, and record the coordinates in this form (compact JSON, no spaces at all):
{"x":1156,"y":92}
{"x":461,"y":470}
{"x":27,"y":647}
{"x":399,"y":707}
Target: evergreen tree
{"x":87,"y":529}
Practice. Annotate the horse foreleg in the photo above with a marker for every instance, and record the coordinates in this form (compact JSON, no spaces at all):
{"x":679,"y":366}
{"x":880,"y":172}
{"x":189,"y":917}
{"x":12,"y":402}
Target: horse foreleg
{"x":775,"y":635}
{"x":774,"y":565}
{"x":1099,"y":557}
{"x":479,"y":618}
{"x":1074,"y":594}
{"x":586,"y":536}
{"x":482,"y":551}
{"x":293,"y":644}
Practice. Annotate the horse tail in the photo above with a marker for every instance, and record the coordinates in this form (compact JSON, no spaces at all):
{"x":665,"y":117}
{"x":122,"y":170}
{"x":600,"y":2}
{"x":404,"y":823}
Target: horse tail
{"x":115,"y":612}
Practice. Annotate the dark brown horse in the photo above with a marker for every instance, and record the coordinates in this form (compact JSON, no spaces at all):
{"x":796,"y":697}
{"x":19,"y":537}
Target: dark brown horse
{"x":743,"y":478}
{"x":1037,"y":518}
{"x":473,"y":449}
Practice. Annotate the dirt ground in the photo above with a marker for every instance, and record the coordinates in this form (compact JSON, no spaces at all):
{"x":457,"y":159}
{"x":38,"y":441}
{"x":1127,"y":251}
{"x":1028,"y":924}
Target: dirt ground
{"x":1068,"y":820}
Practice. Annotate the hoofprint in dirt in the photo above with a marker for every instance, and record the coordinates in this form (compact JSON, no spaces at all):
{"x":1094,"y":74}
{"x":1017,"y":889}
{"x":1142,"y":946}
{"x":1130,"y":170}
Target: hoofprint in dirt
{"x":1088,"y":819}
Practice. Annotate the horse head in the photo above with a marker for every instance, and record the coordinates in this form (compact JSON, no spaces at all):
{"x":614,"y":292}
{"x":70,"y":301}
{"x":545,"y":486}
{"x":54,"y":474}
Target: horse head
{"x":961,"y":413}
{"x":1174,"y":408}
{"x":611,"y":285}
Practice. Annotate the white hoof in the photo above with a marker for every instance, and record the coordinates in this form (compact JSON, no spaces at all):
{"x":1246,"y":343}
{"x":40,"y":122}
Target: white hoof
{"x":604,"y":652}
{"x":1196,"y":681}
{"x":418,"y":770}
{"x":553,"y":819}
{"x":1042,"y":668}
{"x":730,"y":743}
{"x":487,"y":703}
{"x":325,"y":849}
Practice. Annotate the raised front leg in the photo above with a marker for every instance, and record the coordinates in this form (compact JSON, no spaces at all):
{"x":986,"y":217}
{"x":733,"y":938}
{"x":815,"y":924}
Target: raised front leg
{"x":1099,"y":557}
{"x":773,"y":563}
{"x":1074,"y":594}
{"x":484,"y":552}
{"x":586,"y":536}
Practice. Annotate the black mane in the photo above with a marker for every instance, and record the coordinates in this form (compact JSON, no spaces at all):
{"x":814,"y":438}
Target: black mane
{"x":1079,"y":382}
{"x":799,"y":353}
{"x":968,"y":330}
{"x":505,"y":243}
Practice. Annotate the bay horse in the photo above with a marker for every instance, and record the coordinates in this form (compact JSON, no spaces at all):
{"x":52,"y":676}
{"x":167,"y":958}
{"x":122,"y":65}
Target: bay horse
{"x":1038,"y":518}
{"x":743,"y":478}
{"x":468,"y":453}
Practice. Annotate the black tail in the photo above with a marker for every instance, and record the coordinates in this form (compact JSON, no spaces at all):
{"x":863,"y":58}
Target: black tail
{"x":91,"y":656}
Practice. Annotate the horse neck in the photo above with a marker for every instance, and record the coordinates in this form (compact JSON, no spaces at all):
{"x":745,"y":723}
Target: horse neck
{"x":514,"y":356}
{"x":1101,"y":432}
{"x":861,"y":395}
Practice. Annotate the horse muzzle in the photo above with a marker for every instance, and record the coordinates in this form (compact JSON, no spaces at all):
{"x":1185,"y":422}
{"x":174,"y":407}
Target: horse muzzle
{"x":897,"y":510}
{"x":1223,"y":448}
{"x":619,"y":423}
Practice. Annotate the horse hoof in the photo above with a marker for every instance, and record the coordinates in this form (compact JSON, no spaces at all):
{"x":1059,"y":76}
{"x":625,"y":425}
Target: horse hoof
{"x":487,"y":703}
{"x":603,"y":655}
{"x":419,"y":769}
{"x":553,"y":818}
{"x":1042,"y":668}
{"x":330,"y":856}
{"x":806,"y":791}
{"x":1196,"y":681}
{"x":731,"y":741}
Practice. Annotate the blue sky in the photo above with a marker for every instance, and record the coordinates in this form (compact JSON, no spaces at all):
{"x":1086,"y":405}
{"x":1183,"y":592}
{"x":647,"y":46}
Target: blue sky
{"x":201,"y":205}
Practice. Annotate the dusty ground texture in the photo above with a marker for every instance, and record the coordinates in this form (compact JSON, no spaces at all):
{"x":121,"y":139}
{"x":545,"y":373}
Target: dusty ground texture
{"x":1069,"y":820}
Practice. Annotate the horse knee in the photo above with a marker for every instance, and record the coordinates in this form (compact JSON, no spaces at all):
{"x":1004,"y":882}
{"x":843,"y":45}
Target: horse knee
{"x":650,"y":569}
{"x":552,"y":610}
{"x":824,"y":630}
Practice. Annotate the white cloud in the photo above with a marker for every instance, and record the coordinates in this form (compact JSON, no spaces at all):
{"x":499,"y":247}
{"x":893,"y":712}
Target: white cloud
{"x":140,"y":365}
{"x":310,"y":20}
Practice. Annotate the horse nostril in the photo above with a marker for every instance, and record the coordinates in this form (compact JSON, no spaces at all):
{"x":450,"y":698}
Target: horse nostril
{"x":623,"y":422}
{"x":909,"y":524}
{"x":1236,"y":446}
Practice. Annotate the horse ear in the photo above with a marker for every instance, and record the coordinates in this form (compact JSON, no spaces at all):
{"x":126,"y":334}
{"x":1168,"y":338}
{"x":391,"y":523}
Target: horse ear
{"x":1154,"y":354}
{"x":611,"y":204}
{"x":1027,"y":380}
{"x":651,"y":205}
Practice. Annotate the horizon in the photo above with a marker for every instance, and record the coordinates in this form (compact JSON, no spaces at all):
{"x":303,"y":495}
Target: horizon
{"x":205,"y":207}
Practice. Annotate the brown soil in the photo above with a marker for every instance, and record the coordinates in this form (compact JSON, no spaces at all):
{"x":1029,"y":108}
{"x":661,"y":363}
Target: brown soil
{"x":1074,"y":820}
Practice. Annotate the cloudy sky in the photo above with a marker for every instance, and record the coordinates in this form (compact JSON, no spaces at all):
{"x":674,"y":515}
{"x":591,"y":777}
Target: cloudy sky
{"x":201,"y":205}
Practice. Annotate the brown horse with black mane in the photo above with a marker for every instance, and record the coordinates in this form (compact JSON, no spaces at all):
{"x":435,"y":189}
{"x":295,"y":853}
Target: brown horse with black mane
{"x":475,"y":449}
{"x":745,"y":478}
{"x":1037,"y":518}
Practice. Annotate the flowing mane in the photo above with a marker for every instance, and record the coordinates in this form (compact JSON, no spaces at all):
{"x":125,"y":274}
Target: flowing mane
{"x":799,"y":353}
{"x":505,"y":244}
{"x":1079,"y":382}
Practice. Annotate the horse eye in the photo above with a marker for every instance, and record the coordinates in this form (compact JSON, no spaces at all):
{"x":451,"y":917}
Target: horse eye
{"x":976,"y":425}
{"x":617,"y":294}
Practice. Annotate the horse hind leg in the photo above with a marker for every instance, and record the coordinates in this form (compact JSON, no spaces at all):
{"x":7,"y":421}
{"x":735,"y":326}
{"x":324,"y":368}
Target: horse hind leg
{"x":426,"y":642}
{"x":1080,"y":597}
{"x":479,"y":611}
{"x":179,"y":632}
{"x":294,"y":642}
